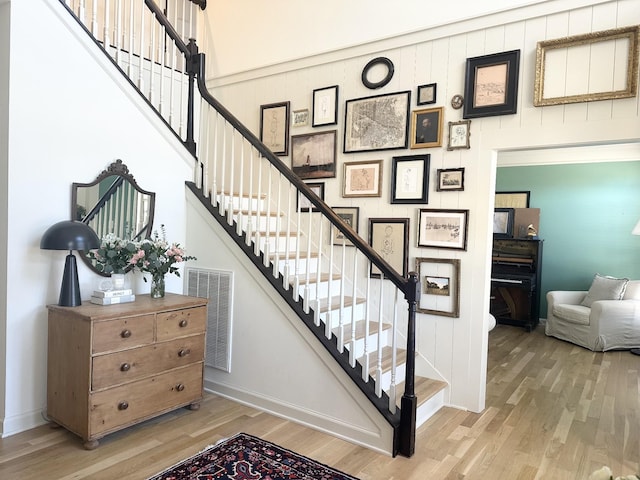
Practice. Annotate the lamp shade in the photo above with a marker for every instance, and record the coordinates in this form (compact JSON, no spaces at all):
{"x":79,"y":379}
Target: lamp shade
{"x":69,"y":235}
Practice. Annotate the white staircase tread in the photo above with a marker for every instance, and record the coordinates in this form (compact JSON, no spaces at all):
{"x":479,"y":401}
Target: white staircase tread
{"x":360,"y":329}
{"x":313,"y":278}
{"x":264,"y":233}
{"x":333,"y":303}
{"x":387,"y":358}
{"x":424,"y":389}
{"x":227,"y":193}
{"x":253,"y":213}
{"x":292,"y":255}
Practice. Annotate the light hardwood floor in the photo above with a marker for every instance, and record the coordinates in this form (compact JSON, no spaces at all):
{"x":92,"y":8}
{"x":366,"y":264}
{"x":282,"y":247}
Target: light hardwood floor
{"x":554,"y":411}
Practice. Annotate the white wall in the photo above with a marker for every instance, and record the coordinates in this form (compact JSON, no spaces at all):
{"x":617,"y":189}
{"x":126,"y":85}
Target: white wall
{"x":68,"y":120}
{"x":456,"y":347}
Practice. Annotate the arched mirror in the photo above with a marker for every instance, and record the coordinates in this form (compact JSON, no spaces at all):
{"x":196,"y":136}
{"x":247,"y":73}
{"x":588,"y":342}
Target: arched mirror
{"x":113,"y":203}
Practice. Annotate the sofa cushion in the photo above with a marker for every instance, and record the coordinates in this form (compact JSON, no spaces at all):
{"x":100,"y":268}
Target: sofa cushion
{"x":605,"y":288}
{"x":572,"y":313}
{"x":632,"y":292}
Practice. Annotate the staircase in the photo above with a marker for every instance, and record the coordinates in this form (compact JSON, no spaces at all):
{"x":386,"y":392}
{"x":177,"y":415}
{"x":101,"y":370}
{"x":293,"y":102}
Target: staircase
{"x":366,"y":322}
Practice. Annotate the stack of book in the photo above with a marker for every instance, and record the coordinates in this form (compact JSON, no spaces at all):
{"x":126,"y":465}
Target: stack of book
{"x":111,"y":297}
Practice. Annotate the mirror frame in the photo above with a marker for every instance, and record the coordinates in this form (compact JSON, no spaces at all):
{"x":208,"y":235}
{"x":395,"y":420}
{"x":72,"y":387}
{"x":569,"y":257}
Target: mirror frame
{"x":119,"y":169}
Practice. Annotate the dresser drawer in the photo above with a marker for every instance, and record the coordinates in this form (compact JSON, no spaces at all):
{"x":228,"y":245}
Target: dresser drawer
{"x":122,"y":333}
{"x":179,"y":323}
{"x":124,"y":405}
{"x":129,"y":365}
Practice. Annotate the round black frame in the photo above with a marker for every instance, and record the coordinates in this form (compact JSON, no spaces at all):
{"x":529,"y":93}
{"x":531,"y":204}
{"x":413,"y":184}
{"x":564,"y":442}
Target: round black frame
{"x":377,"y":61}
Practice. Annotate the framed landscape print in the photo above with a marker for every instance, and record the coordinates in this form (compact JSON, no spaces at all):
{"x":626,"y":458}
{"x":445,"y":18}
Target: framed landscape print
{"x":351,"y":216}
{"x":440,"y":283}
{"x":410,"y":179}
{"x":313,"y":155}
{"x":390,"y":238}
{"x":325,"y":106}
{"x":450,"y":179}
{"x":491,"y":85}
{"x":373,"y":123}
{"x":362,"y":179}
{"x":426,"y":127}
{"x":274,"y":127}
{"x":443,"y":228}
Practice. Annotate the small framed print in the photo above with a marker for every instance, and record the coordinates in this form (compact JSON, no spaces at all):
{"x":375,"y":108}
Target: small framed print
{"x":362,"y":179}
{"x":440,"y":284}
{"x":503,"y":219}
{"x":304,"y":205}
{"x":450,"y":179}
{"x":313,"y":155}
{"x":491,"y":85}
{"x":274,"y":127}
{"x":426,"y":128}
{"x":459,"y":135}
{"x":426,"y":94}
{"x":351,"y":216}
{"x":300,"y":118}
{"x":443,"y":228}
{"x":390,"y":238}
{"x":325,"y":106}
{"x":512,"y":199}
{"x":410,"y":179}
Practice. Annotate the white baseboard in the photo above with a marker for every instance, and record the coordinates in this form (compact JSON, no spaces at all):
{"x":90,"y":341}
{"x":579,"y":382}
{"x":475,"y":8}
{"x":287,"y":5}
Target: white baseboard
{"x":20,"y":423}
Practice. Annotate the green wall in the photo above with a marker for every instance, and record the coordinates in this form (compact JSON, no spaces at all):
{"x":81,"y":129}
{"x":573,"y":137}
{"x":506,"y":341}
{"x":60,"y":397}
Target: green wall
{"x":587,"y":212}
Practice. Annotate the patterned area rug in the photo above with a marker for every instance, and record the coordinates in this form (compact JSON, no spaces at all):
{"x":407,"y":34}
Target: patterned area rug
{"x":244,"y":457}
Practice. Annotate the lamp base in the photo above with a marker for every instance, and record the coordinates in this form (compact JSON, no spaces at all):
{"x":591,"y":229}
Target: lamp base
{"x":70,"y":289}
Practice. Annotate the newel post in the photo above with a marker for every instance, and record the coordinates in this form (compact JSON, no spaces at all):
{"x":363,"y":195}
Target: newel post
{"x":409,"y":402}
{"x":192,"y":70}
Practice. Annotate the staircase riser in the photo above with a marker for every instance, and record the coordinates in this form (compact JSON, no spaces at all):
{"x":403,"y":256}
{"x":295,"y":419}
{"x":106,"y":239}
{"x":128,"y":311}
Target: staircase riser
{"x":385,"y":340}
{"x":243,"y":203}
{"x":335,"y":315}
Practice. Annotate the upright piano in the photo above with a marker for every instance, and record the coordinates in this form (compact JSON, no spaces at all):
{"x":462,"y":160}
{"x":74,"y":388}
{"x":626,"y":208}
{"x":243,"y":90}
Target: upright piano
{"x":515,"y":281}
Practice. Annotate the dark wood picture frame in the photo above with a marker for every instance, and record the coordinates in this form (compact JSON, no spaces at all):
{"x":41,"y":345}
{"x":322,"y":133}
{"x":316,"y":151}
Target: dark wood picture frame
{"x":450,"y":180}
{"x":325,"y":106}
{"x":440,"y":281}
{"x":503,"y":222}
{"x":410,"y":179}
{"x":313,"y":155}
{"x":391,"y":243}
{"x":362,"y":179}
{"x":274,"y":127}
{"x":491,"y":85}
{"x":303,"y":204}
{"x":426,"y":127}
{"x":426,"y":94}
{"x":351,"y":216}
{"x":439,"y":228}
{"x":517,"y":199}
{"x":379,"y":122}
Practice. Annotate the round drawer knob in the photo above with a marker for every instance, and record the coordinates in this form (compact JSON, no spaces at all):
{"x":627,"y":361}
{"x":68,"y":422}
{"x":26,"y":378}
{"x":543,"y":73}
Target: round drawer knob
{"x":125,"y":333}
{"x":184,"y":352}
{"x":125,"y":367}
{"x":123,"y":405}
{"x":180,"y":387}
{"x":183,"y":323}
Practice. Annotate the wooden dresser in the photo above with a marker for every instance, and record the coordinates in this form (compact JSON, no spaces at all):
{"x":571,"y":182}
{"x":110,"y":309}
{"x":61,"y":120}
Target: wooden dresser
{"x":110,"y":367}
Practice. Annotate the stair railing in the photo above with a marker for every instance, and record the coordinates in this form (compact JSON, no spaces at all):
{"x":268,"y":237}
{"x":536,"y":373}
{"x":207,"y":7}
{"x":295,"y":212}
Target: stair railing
{"x":351,"y":297}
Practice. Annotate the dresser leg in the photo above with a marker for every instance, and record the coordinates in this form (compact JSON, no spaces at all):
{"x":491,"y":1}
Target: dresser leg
{"x":91,"y":444}
{"x":194,"y":406}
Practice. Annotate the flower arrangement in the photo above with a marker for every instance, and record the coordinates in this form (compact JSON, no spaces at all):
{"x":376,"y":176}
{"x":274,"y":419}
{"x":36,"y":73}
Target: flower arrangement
{"x":604,"y":473}
{"x":114,"y":254}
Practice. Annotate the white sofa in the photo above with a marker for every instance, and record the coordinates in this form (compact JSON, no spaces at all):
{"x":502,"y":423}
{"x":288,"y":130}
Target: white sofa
{"x":606,"y":325}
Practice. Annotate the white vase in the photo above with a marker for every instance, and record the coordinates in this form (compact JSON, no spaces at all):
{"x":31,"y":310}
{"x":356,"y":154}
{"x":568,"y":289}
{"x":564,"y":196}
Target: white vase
{"x":117,"y":281}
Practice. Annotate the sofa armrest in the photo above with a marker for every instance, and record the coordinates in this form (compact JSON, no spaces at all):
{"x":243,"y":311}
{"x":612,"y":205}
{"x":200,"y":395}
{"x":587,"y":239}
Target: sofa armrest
{"x":573,"y":297}
{"x":618,"y":314}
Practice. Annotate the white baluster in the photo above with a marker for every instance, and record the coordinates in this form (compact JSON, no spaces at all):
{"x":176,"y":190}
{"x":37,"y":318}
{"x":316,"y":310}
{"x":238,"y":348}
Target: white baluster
{"x":232,"y":168}
{"x":241,"y":189}
{"x":141,"y":57}
{"x":106,"y":39}
{"x":152,"y":60}
{"x":132,"y":38}
{"x":276,"y":238}
{"x":118,"y":30}
{"x":249,"y":232}
{"x":352,"y":349}
{"x":367,"y":364}
{"x":214,"y":186}
{"x":223,"y":201}
{"x":394,"y":355}
{"x":94,"y":18}
{"x":379,"y":346}
{"x":258,"y":208}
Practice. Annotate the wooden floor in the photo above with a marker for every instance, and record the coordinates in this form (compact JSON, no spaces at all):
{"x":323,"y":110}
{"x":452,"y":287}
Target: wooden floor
{"x":554,"y":411}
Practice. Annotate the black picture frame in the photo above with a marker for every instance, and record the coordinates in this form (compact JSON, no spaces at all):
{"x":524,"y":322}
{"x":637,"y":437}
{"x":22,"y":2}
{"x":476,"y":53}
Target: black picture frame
{"x":503,"y":220}
{"x":410,"y":179}
{"x":303,"y":204}
{"x":351,"y":216}
{"x":426,"y":94}
{"x":390,"y":238}
{"x":386,"y":64}
{"x":379,"y":122}
{"x":325,"y":106}
{"x":491,"y":85}
{"x":439,"y":228}
{"x":313,"y":155}
{"x":450,"y":180}
{"x":274,"y":127}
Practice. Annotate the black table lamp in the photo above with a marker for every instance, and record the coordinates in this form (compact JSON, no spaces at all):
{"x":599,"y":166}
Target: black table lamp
{"x":70,"y":235}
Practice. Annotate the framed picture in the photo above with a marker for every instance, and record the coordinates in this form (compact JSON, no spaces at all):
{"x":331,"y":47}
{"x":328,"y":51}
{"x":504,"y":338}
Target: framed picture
{"x":450,"y":180}
{"x":443,"y":228}
{"x":313,"y":155}
{"x":459,"y":135}
{"x":362,"y":179}
{"x":426,"y":94}
{"x":390,"y":238}
{"x":410,"y":179}
{"x":512,"y":199}
{"x":351,"y":216}
{"x":426,"y":128}
{"x":503,"y":222}
{"x":274,"y":127}
{"x":303,"y":204}
{"x":373,"y":123}
{"x":440,"y":283}
{"x":325,"y":106}
{"x":300,"y":118}
{"x":567,"y":70}
{"x":491,"y":85}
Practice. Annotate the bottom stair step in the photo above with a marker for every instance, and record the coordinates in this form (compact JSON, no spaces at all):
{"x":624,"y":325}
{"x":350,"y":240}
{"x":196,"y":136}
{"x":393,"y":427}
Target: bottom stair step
{"x":430,"y":395}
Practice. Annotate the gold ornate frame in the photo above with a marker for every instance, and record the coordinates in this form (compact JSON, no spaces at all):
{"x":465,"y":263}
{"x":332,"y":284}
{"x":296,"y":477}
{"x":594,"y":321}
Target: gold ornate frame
{"x":575,"y":42}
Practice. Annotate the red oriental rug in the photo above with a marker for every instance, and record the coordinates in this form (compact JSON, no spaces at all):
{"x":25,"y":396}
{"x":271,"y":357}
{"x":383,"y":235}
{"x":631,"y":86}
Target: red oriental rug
{"x":244,"y":457}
